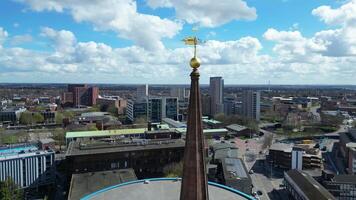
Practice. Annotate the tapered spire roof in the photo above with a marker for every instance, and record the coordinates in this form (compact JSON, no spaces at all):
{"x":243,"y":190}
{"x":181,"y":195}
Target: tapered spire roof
{"x":194,"y":180}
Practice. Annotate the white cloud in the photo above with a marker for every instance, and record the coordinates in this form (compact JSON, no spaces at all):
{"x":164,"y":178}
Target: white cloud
{"x":209,"y":13}
{"x":291,"y":46}
{"x":70,"y":56}
{"x":3,"y":35}
{"x":341,"y":41}
{"x":120,"y":16}
{"x":63,"y":40}
{"x":21,"y":39}
{"x":345,"y":14}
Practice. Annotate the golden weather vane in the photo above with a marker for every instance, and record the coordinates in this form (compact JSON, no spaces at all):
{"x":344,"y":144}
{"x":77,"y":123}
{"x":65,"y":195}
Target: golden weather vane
{"x":194,"y":62}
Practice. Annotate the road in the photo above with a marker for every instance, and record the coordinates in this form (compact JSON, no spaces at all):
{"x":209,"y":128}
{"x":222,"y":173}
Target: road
{"x":314,"y":110}
{"x":261,"y":179}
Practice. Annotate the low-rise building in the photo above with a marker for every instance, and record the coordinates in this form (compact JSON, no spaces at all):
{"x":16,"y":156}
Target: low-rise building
{"x":11,"y":115}
{"x":239,"y":130}
{"x":230,"y":169}
{"x":211,"y":123}
{"x":87,"y":183}
{"x":300,"y":185}
{"x":113,"y":101}
{"x":46,"y":144}
{"x":348,"y":150}
{"x":351,"y":158}
{"x":280,"y":155}
{"x":146,"y":157}
{"x":49,"y":116}
{"x":342,"y":186}
{"x":235,"y":175}
{"x":27,"y":165}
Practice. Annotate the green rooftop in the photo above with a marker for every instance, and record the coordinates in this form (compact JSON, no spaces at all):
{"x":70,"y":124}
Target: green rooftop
{"x":117,"y":132}
{"x":211,"y":121}
{"x":206,"y":131}
{"x":105,"y":133}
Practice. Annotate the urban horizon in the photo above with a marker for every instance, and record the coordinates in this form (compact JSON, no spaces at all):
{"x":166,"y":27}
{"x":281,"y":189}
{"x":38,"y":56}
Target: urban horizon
{"x":177,"y":99}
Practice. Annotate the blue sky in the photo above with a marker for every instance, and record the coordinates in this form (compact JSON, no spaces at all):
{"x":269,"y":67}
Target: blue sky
{"x":127,"y":41}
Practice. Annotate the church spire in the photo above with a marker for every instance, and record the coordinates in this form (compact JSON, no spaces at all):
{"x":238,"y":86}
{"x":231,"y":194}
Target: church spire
{"x":194,"y":180}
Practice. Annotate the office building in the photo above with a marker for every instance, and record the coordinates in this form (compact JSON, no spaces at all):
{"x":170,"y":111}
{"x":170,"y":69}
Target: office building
{"x":232,"y":107}
{"x":301,"y":185}
{"x":136,"y":110}
{"x":117,"y":102}
{"x":216,"y":90}
{"x":348,"y":149}
{"x":142,"y":92}
{"x":351,"y":158}
{"x":180,"y":92}
{"x":11,"y":115}
{"x":80,"y":95}
{"x":297,"y":158}
{"x":251,"y":105}
{"x":27,"y":165}
{"x":169,"y":108}
{"x":206,"y":104}
{"x":67,"y":98}
{"x":154,"y":110}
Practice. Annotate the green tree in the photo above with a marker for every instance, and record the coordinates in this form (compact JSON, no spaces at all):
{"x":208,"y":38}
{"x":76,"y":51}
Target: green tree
{"x":330,"y":120}
{"x":59,"y":137}
{"x":220,"y":117}
{"x":26,"y":118}
{"x":173,"y":170}
{"x":253,"y":125}
{"x":10,"y":191}
{"x":92,"y":127}
{"x":113,"y":110}
{"x":94,"y":108}
{"x":59,"y":118}
{"x":267,"y":141}
{"x":140,"y":120}
{"x":37,"y":117}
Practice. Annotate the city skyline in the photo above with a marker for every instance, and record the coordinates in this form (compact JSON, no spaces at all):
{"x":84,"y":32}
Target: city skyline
{"x":62,"y":42}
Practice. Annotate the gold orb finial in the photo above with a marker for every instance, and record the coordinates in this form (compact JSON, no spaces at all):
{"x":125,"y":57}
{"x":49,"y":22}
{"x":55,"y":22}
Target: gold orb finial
{"x":195,"y":63}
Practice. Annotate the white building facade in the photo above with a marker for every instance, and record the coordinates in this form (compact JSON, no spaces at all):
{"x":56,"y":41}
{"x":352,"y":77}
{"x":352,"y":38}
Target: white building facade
{"x":28,"y":169}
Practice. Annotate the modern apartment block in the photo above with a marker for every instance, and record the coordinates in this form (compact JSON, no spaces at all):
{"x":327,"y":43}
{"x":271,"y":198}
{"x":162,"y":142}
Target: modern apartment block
{"x":216,"y":90}
{"x":251,"y":104}
{"x":156,"y":109}
{"x":142,"y":92}
{"x":27,"y":166}
{"x":80,"y":95}
{"x":280,"y":155}
{"x":136,"y":110}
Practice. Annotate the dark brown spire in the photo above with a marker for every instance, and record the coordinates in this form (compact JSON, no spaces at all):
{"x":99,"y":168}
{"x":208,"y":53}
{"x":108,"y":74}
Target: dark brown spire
{"x":194,"y":180}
